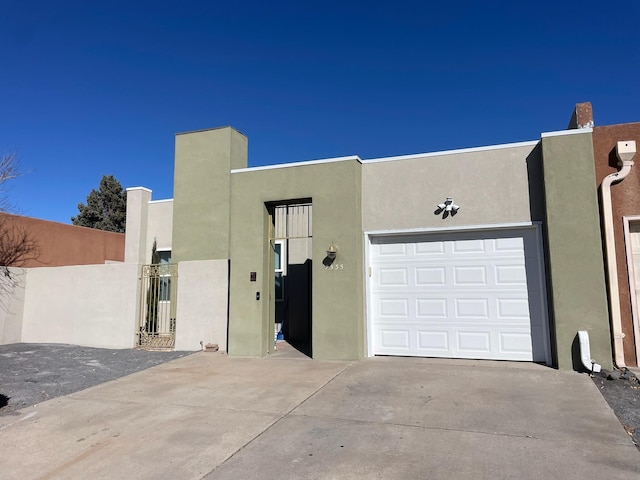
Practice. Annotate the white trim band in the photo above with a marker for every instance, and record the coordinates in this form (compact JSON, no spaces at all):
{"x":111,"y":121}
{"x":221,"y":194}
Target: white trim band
{"x":560,"y":133}
{"x":530,"y":143}
{"x":297,"y":164}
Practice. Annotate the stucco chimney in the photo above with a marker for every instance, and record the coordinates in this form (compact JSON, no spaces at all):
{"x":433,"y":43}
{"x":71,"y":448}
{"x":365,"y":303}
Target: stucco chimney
{"x":582,"y":116}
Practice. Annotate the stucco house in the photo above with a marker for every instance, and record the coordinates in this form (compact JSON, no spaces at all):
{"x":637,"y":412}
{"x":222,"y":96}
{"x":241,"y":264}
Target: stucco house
{"x":487,"y":253}
{"x":502,"y":252}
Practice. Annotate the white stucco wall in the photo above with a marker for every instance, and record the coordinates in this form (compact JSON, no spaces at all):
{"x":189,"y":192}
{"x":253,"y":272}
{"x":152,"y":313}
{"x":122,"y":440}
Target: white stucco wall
{"x":135,"y":240}
{"x":202,"y":304}
{"x":159,"y":226}
{"x":11,"y":309}
{"x":492,"y":185}
{"x":146,"y":220}
{"x":90,"y":305}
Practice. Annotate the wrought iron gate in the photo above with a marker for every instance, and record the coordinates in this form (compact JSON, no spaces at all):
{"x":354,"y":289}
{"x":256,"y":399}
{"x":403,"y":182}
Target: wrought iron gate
{"x":157,"y":316}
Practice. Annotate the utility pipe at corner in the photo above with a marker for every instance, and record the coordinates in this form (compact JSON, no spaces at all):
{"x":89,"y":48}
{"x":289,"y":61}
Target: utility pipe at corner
{"x":625,"y":151}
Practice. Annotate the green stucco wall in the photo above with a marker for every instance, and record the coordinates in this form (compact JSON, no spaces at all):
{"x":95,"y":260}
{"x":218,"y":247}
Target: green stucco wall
{"x":575,"y":262}
{"x":337,"y":295}
{"x":202,"y":192}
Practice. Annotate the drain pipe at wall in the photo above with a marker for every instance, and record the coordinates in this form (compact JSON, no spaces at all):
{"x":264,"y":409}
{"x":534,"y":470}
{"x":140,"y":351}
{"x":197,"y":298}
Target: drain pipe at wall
{"x":625,"y":152}
{"x":585,"y":353}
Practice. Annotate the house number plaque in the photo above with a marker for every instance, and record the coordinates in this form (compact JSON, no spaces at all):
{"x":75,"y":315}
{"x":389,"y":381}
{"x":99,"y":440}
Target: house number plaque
{"x":337,"y":266}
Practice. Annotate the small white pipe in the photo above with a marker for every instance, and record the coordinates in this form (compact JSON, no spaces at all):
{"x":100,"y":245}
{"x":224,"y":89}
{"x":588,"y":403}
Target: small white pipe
{"x":612,"y":270}
{"x":585,"y":353}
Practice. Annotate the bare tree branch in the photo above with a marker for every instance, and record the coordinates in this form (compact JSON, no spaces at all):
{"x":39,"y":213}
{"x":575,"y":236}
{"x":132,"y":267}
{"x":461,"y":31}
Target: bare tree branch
{"x":9,"y":170}
{"x":17,"y":246}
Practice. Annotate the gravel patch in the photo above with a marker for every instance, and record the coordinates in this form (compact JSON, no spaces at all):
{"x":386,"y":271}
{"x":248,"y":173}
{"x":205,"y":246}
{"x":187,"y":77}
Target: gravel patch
{"x":621,"y":390}
{"x":34,"y":373}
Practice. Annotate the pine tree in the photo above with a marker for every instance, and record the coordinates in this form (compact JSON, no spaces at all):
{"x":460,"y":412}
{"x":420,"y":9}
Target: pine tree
{"x":106,"y":208}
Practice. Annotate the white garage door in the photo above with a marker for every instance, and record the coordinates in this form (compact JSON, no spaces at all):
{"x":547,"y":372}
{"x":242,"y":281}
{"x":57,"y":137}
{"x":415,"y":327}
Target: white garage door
{"x":462,"y":295}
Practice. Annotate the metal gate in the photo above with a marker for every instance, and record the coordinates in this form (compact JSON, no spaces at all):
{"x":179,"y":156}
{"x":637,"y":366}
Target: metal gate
{"x":157,"y":316}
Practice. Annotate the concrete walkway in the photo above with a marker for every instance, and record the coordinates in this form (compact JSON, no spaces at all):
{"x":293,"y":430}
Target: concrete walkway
{"x":211,"y":416}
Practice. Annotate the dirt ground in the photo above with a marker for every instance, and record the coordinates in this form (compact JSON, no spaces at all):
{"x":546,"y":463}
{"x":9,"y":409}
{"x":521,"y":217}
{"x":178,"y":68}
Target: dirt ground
{"x":34,"y":373}
{"x":623,"y":396}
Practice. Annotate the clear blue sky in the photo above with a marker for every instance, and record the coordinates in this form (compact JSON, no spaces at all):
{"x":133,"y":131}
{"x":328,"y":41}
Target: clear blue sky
{"x":92,"y":88}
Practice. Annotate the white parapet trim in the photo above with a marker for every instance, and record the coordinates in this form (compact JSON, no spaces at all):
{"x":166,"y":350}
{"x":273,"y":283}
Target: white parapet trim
{"x":298,"y":164}
{"x":453,"y":152}
{"x":561,"y":133}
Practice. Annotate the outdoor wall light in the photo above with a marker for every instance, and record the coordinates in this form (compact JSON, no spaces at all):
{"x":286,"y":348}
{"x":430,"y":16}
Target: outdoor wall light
{"x":448,"y":207}
{"x":332,"y":252}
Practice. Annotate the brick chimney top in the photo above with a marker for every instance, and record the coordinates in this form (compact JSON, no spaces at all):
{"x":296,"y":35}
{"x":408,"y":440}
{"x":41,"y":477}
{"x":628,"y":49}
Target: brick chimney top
{"x":582,"y":116}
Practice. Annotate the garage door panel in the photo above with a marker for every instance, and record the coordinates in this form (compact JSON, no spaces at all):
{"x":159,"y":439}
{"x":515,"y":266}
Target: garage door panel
{"x":470,"y":275}
{"x":473,"y":343}
{"x":513,"y":308}
{"x":432,"y":340}
{"x":430,"y":276}
{"x":393,"y":277}
{"x":515,"y":343}
{"x":510,"y":274}
{"x":448,"y":343}
{"x":431,"y":308}
{"x":391,"y":250}
{"x":467,"y":246}
{"x":453,"y":295}
{"x":455,"y":308}
{"x":474,"y":308}
{"x":395,"y":340}
{"x":394,"y":307}
{"x":433,"y":249}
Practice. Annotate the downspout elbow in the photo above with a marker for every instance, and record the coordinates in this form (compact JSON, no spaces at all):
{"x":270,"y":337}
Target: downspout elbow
{"x":585,"y":353}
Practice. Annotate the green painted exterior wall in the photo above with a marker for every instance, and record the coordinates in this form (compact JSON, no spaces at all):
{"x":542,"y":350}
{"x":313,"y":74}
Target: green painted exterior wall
{"x":337,"y":295}
{"x":202,"y":192}
{"x":575,"y":267}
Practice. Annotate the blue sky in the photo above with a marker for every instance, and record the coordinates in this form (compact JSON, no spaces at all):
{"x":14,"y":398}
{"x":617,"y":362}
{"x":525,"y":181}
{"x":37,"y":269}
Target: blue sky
{"x":93,"y":88}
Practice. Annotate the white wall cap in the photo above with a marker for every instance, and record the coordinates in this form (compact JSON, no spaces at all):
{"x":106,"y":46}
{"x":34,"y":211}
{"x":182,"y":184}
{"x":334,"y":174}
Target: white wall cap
{"x":454,"y":152}
{"x":298,"y":164}
{"x":138,"y":188}
{"x":566,"y":132}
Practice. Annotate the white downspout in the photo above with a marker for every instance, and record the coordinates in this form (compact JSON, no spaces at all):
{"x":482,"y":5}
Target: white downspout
{"x":585,"y":353}
{"x":625,"y":151}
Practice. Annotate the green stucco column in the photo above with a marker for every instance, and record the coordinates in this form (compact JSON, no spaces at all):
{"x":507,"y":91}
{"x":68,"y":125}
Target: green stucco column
{"x":202,"y":192}
{"x":575,"y":266}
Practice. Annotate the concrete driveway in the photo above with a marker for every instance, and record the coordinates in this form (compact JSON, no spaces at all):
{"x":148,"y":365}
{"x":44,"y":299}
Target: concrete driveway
{"x":211,"y":416}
